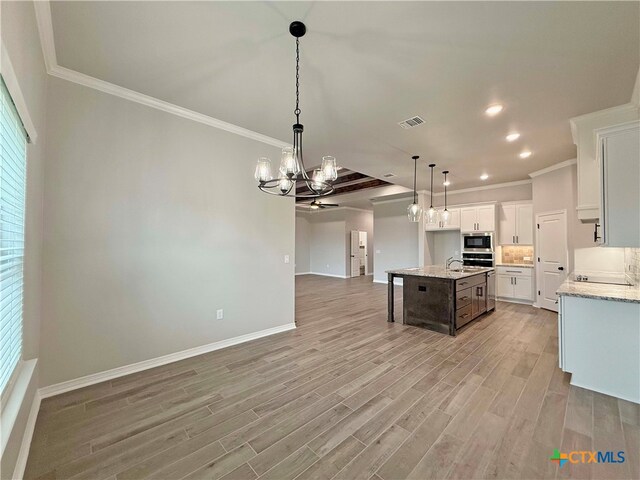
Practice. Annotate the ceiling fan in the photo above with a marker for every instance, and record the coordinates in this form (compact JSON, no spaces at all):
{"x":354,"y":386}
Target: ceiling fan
{"x":321,"y":206}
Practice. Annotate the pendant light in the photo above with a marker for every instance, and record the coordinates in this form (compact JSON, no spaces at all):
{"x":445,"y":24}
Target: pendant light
{"x":292,"y":169}
{"x":432,"y":213}
{"x":414,"y":211}
{"x":446,"y":215}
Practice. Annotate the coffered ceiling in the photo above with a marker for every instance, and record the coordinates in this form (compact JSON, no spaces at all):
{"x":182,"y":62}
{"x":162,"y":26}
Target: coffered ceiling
{"x":366,"y":67}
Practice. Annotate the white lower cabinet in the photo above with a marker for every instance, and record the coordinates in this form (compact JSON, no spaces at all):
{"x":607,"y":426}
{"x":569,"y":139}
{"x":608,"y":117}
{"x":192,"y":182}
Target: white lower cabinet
{"x":598,"y":343}
{"x":515,"y":283}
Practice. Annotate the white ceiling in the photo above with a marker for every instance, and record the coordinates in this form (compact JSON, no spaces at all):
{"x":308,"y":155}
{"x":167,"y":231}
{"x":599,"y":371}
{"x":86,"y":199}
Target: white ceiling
{"x":366,"y":66}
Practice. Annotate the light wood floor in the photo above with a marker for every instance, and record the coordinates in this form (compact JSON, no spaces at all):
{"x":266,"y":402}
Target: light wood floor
{"x":345,"y":396}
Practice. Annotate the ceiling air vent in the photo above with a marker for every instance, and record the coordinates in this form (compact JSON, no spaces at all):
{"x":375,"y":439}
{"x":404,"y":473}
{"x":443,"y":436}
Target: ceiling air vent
{"x":389,"y":175}
{"x":411,"y":122}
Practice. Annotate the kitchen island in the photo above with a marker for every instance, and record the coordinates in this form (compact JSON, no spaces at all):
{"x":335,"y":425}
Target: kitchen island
{"x":441,"y":299}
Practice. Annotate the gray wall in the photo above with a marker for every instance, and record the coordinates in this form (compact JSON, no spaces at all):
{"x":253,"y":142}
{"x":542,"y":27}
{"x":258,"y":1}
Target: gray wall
{"x":21,"y":39}
{"x":557,"y":190}
{"x":152,"y":222}
{"x":327,"y":243}
{"x":396,"y":243}
{"x":303,"y":247}
{"x":361,"y":220}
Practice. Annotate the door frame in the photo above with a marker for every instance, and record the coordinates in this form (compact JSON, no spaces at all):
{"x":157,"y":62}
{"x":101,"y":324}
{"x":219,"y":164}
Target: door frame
{"x":537,"y":248}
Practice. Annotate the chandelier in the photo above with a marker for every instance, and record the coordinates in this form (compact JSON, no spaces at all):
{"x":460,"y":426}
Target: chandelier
{"x":292,"y":169}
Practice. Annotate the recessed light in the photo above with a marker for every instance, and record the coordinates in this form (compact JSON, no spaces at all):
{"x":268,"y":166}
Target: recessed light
{"x":493,"y":110}
{"x":525,"y":154}
{"x":484,"y":176}
{"x":447,"y":183}
{"x":512,"y":137}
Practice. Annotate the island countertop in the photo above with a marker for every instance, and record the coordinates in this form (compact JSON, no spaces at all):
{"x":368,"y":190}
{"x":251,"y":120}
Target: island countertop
{"x":600,"y":291}
{"x":439,"y":271}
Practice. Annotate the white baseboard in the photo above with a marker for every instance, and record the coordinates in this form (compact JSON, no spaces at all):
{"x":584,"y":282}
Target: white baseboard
{"x":328,"y":275}
{"x":27,"y":436}
{"x":303,"y":273}
{"x":58,"y":388}
{"x":396,"y":281}
{"x":515,"y":300}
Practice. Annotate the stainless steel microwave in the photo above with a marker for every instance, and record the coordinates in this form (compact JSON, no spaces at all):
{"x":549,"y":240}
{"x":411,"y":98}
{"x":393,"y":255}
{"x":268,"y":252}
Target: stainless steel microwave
{"x":477,"y":242}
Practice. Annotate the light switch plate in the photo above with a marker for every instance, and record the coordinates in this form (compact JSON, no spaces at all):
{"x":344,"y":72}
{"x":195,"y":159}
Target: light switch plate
{"x":219,"y":314}
{"x":286,"y":259}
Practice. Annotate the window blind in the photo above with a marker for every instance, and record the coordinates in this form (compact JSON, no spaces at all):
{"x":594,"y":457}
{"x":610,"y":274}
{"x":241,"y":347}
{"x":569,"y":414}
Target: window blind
{"x":13,"y":148}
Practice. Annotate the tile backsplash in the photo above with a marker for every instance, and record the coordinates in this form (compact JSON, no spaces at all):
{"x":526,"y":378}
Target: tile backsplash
{"x":517,"y":254}
{"x":632,"y":265}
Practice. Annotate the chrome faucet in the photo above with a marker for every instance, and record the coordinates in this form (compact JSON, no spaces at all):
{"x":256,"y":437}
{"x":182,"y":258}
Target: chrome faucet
{"x":451,"y":260}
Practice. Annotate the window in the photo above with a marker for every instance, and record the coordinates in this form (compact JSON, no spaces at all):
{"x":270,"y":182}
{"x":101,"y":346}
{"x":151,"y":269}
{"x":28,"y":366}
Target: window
{"x":13,"y":150}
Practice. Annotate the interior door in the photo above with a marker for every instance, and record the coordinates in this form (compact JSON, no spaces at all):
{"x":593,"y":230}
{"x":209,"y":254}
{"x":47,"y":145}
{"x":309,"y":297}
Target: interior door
{"x":486,"y":218}
{"x":355,"y":253}
{"x":468,"y":220}
{"x":524,"y":229}
{"x":507,"y":234}
{"x":552,"y":256}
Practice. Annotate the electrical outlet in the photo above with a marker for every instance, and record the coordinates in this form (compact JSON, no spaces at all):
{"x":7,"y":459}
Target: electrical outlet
{"x":286,"y":259}
{"x":328,"y":266}
{"x":219,"y":314}
{"x":377,"y":251}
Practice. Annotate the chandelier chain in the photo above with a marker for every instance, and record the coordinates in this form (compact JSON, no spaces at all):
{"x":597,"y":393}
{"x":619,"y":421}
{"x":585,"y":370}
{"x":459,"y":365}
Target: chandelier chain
{"x":297,"y":110}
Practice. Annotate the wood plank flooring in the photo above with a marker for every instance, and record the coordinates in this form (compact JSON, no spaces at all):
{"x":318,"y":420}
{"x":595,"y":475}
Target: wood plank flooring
{"x":344,"y":396}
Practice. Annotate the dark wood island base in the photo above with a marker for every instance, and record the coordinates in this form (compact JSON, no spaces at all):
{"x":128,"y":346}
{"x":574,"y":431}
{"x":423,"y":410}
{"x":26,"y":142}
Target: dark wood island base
{"x":442,"y":300}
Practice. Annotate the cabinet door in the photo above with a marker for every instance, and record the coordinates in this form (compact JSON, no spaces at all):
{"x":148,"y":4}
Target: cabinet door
{"x":507,"y":234}
{"x":486,"y":218}
{"x":620,"y":189}
{"x":522,"y":288}
{"x":524,"y":226}
{"x":504,"y":286}
{"x":468,"y":219}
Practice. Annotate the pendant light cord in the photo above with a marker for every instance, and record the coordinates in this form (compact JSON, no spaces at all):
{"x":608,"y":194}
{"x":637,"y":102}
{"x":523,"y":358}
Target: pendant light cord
{"x":431,"y":206}
{"x":415,"y":173}
{"x":297,"y":110}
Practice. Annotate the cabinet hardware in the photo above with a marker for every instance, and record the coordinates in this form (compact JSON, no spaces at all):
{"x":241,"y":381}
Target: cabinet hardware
{"x":422,"y":288}
{"x":517,"y":239}
{"x":560,"y":268}
{"x":513,"y":271}
{"x":513,"y":238}
{"x":515,"y":280}
{"x":464,"y":315}
{"x":464,"y":298}
{"x":596,"y":237}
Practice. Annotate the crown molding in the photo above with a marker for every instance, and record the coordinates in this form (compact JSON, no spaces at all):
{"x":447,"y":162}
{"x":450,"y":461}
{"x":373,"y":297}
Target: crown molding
{"x":587,"y":117}
{"x":482,"y":187}
{"x":45,"y":28}
{"x":13,"y":86}
{"x":552,"y":168}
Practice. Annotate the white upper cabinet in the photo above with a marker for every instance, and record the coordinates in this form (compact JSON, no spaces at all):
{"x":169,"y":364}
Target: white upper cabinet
{"x":452,"y":224}
{"x":619,"y":159}
{"x":589,"y":176}
{"x":480,"y":218}
{"x":516,"y":224}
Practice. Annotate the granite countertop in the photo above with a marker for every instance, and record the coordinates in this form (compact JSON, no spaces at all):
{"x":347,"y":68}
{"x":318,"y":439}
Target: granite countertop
{"x":518,"y":265}
{"x":439,"y":271}
{"x":600,"y":291}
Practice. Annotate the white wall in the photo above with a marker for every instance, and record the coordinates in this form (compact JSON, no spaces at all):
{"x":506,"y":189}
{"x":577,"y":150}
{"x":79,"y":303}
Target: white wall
{"x":152,"y":222}
{"x":20,"y":39}
{"x":303,"y":245}
{"x":361,"y":220}
{"x":327,"y":244}
{"x":396,"y":244}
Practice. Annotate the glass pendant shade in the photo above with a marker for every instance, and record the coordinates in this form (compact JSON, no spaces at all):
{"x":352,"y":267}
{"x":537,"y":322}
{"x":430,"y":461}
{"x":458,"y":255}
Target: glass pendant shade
{"x":329,"y":168}
{"x":318,"y":183}
{"x":263,"y":170}
{"x":446,"y":216}
{"x":289,"y":164}
{"x":285,"y":185}
{"x":432,"y":215}
{"x":414,"y":211}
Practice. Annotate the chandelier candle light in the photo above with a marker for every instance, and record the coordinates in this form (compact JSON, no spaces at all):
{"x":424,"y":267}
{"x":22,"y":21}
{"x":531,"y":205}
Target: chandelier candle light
{"x":414,"y":211}
{"x":292,"y":169}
